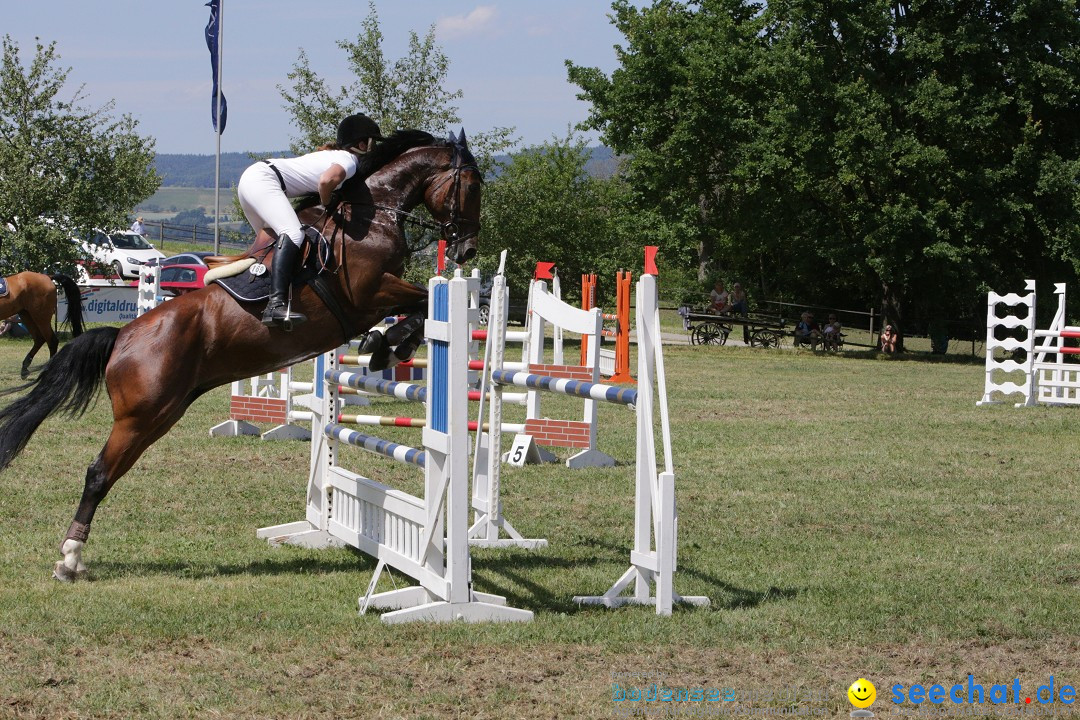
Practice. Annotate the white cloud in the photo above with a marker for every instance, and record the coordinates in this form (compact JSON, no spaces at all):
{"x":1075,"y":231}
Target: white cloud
{"x":479,"y":21}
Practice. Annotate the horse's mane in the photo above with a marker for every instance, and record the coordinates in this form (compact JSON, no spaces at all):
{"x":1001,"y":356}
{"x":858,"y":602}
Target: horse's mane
{"x":384,"y":152}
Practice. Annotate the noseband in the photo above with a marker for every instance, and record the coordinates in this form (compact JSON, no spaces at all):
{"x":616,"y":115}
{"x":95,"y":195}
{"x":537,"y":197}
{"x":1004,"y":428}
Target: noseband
{"x":449,"y":230}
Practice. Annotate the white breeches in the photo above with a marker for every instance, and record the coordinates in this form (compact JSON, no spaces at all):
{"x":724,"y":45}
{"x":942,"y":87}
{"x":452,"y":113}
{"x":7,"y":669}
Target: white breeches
{"x":265,"y":204}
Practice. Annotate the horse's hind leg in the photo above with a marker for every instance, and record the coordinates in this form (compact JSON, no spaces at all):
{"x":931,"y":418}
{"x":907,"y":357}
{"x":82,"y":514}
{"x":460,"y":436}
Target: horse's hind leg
{"x":40,"y":336}
{"x":128,"y":440}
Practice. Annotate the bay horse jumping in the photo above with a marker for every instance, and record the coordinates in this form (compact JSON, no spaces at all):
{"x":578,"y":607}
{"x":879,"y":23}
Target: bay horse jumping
{"x":155,"y":367}
{"x":32,"y":296}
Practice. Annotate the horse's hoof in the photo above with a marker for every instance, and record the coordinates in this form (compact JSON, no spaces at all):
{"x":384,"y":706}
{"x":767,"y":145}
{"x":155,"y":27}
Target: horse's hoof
{"x":372,"y":341}
{"x":65,"y":574}
{"x":380,"y":356}
{"x":401,"y":355}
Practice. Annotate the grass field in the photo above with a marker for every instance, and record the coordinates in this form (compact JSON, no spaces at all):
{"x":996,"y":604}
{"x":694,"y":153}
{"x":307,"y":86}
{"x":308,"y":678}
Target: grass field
{"x":849,"y":516}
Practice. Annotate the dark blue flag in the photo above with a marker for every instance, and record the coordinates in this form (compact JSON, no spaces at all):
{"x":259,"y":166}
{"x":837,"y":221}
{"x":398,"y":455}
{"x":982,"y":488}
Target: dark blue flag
{"x":212,"y":30}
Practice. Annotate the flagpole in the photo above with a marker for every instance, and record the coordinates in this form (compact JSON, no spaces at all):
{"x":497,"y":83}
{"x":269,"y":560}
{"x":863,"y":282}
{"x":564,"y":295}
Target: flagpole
{"x":217,"y":155}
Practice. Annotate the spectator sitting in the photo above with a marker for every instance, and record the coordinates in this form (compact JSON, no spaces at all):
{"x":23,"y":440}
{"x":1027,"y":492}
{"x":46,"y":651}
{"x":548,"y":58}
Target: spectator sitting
{"x":807,"y":331}
{"x":889,"y":339}
{"x":740,"y":306}
{"x":831,"y":334}
{"x":737,"y":298}
{"x":718,"y":299}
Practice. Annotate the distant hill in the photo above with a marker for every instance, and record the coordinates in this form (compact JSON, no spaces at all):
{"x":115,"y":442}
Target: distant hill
{"x":197,"y":171}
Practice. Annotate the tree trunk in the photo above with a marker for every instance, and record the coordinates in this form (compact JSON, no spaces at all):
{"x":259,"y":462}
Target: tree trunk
{"x":706,"y":244}
{"x":704,"y":263}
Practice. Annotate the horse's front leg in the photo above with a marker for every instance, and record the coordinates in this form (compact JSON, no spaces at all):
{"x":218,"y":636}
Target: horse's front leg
{"x":405,"y":336}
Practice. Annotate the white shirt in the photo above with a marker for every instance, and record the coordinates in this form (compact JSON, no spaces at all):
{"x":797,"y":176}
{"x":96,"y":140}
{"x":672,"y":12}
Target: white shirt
{"x":301,"y":174}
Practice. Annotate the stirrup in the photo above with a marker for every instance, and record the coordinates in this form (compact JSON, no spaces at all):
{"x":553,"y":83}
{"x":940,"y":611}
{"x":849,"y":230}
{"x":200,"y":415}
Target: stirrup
{"x":281,"y":315}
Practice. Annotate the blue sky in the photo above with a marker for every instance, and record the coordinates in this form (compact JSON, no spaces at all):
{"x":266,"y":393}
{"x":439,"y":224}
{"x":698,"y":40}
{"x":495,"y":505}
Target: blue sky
{"x":150,"y":57}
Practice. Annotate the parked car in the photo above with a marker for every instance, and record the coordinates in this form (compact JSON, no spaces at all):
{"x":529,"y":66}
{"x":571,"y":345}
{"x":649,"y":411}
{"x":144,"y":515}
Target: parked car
{"x":516,"y":310}
{"x":187,"y":258}
{"x":180,"y":279}
{"x":122,"y":251}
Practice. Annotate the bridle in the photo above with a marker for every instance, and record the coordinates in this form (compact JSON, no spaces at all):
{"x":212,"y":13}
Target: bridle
{"x":450,"y":229}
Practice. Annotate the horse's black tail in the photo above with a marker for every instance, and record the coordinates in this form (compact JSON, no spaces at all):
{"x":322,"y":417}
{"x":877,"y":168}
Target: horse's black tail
{"x":68,"y":383}
{"x":74,"y":301}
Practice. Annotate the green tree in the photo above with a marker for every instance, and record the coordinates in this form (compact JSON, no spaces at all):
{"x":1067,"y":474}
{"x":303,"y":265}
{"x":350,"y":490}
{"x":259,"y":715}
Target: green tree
{"x":63,"y":167}
{"x":407,"y":93}
{"x":192,"y":216}
{"x":674,"y":108}
{"x":545,"y":207}
{"x":901,"y":152}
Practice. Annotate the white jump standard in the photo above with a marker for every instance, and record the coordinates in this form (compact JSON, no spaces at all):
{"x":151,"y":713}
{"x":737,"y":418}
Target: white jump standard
{"x":1053,"y":381}
{"x":653,"y":558}
{"x":426,"y":537}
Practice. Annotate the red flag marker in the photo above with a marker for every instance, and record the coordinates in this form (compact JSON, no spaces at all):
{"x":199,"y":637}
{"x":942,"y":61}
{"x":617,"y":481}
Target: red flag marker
{"x":543,"y":270}
{"x":441,"y":262}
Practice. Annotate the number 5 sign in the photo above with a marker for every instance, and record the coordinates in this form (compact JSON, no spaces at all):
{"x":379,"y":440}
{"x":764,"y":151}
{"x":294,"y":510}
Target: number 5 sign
{"x":523,"y":451}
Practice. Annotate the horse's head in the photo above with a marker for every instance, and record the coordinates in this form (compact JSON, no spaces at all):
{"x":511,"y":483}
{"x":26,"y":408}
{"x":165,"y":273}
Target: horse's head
{"x":453,"y":199}
{"x":412,"y":167}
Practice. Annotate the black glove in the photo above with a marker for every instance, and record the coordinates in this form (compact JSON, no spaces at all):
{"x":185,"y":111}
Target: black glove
{"x":332,"y":205}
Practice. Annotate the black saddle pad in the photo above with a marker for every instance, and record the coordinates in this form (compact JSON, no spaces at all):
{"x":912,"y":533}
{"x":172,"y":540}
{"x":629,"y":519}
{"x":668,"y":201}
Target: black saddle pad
{"x":3,"y":287}
{"x":252,"y":287}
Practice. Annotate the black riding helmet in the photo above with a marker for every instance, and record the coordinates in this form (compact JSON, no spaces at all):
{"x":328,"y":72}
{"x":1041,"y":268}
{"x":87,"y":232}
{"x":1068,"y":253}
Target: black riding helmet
{"x":355,"y":128}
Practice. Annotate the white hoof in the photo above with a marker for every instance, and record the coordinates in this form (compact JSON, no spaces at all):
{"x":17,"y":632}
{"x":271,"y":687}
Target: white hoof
{"x":71,"y":568}
{"x":63,"y":574}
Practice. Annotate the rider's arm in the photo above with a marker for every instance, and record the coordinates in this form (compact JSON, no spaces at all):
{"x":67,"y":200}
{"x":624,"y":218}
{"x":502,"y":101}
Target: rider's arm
{"x":328,"y":182}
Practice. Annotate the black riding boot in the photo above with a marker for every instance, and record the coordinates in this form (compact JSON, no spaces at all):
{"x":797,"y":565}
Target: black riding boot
{"x":281,"y":274}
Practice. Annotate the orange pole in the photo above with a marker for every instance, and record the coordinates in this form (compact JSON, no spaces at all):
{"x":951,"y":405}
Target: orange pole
{"x":622,"y":338}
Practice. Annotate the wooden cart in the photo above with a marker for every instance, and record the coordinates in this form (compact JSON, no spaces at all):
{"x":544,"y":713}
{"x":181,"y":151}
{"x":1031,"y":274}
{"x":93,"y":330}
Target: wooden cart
{"x":708,"y":329}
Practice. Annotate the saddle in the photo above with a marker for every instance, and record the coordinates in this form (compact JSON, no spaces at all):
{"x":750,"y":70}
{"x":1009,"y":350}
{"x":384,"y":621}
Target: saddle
{"x":252,"y":282}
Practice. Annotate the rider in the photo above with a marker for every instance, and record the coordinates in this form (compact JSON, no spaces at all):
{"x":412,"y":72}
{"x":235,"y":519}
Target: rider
{"x":265,"y":188}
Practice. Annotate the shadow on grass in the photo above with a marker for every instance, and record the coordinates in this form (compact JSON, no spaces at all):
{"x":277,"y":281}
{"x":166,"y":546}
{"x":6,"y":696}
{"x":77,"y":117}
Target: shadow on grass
{"x":286,"y":563}
{"x":907,"y":355}
{"x":518,"y":568}
{"x":523,"y":577}
{"x":521,"y":590}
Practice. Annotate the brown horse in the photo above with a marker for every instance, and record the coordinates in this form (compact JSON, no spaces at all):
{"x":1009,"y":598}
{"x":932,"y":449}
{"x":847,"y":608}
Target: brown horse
{"x":32,"y":296}
{"x":157,"y":365}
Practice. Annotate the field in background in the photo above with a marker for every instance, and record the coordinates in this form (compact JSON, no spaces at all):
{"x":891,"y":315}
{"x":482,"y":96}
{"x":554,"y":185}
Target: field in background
{"x":171,"y":200}
{"x":849,"y":517}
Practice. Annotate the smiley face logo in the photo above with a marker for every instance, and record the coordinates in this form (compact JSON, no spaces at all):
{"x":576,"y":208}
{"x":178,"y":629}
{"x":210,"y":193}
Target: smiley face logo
{"x":862,"y":693}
